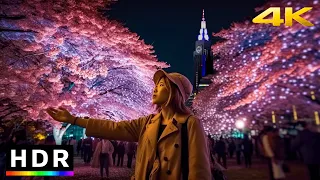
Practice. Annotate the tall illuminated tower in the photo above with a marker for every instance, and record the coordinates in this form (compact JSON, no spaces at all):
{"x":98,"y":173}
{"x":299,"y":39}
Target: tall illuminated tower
{"x":203,"y":62}
{"x":202,"y":57}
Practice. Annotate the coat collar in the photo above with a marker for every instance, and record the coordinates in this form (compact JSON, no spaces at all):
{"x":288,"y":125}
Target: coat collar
{"x":152,"y":130}
{"x":180,"y":118}
{"x":172,"y":126}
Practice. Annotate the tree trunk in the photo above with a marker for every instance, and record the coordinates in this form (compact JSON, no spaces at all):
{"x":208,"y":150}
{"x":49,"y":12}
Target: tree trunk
{"x":84,"y":134}
{"x":58,"y":133}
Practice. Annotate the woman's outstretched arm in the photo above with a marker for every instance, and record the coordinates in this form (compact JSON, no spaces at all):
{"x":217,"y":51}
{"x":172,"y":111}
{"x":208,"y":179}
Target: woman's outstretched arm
{"x":106,"y":129}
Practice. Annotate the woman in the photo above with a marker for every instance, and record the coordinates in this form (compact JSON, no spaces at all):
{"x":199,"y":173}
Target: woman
{"x":274,"y":150}
{"x":159,"y":136}
{"x":247,"y":150}
{"x":102,"y":156}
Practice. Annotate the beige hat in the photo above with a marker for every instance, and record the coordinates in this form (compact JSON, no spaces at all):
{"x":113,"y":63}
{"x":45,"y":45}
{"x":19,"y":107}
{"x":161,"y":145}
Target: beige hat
{"x":183,"y":83}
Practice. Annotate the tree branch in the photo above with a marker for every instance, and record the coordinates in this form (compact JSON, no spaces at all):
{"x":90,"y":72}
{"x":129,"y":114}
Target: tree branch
{"x":111,"y":90}
{"x":2,"y":117}
{"x":17,"y":30}
{"x":117,"y":68}
{"x":17,"y":17}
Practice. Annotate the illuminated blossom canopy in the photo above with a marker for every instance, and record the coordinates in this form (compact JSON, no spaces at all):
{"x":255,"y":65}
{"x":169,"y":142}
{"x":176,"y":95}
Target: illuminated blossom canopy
{"x":261,"y":69}
{"x":66,"y":53}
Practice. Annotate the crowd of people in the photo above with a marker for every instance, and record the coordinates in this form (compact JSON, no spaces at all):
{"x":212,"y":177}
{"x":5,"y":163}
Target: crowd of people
{"x":273,"y":148}
{"x":223,"y":148}
{"x":277,"y":150}
{"x":102,"y":153}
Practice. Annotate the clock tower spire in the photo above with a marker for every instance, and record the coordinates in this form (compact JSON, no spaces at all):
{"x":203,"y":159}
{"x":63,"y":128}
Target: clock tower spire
{"x":203,"y":30}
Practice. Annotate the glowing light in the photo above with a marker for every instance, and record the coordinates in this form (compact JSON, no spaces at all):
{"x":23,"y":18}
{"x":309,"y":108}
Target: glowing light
{"x":240,"y":124}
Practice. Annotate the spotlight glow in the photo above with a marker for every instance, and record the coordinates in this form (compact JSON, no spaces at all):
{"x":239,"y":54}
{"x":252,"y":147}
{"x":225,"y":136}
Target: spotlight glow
{"x":240,"y":124}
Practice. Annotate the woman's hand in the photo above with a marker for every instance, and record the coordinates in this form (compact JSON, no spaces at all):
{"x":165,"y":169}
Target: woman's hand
{"x":60,"y":114}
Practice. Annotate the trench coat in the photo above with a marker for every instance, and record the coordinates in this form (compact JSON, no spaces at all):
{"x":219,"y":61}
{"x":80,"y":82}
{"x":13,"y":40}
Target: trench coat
{"x":95,"y":163}
{"x":167,"y":165}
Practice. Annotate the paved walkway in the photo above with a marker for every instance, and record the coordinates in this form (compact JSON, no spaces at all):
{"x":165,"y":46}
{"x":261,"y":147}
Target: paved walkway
{"x":84,"y":171}
{"x":258,"y":171}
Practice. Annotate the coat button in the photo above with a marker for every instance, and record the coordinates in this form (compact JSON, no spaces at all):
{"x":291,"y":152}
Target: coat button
{"x":165,"y":158}
{"x":176,"y":145}
{"x":168,"y":172}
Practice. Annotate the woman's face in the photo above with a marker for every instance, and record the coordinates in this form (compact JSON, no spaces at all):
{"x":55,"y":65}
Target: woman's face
{"x":160,"y":93}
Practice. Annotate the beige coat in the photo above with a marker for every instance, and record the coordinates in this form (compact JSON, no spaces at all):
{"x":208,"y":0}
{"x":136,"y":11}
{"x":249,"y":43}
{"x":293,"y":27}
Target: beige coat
{"x":145,"y":131}
{"x":95,"y":158}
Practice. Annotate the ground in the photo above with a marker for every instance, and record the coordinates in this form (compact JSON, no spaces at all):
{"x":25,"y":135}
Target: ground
{"x":259,"y":171}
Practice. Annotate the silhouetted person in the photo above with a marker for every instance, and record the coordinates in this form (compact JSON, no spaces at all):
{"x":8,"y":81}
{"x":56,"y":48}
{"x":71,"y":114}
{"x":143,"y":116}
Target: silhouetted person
{"x":64,"y":142}
{"x":87,"y":148}
{"x":121,"y":150}
{"x":72,"y":141}
{"x":222,"y":152}
{"x":79,"y":147}
{"x":50,"y":140}
{"x":102,"y":156}
{"x":131,"y":150}
{"x":231,"y":148}
{"x":274,"y":150}
{"x":115,"y":152}
{"x":238,"y":150}
{"x":247,"y":150}
{"x":308,"y":142}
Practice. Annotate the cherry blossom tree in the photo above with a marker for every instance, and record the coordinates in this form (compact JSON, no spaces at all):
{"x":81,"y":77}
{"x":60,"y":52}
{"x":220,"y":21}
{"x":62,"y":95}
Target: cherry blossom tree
{"x":263,"y":68}
{"x":66,"y":53}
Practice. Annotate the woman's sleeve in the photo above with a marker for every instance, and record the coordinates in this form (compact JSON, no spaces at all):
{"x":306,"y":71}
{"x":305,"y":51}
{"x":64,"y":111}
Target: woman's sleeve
{"x":123,"y":130}
{"x":199,"y":159}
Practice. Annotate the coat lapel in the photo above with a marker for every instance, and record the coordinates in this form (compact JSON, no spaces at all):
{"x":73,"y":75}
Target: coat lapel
{"x":171,"y":128}
{"x":152,"y":130}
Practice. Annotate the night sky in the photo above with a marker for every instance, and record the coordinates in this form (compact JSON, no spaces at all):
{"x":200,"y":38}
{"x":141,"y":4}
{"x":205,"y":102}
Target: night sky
{"x":172,"y":26}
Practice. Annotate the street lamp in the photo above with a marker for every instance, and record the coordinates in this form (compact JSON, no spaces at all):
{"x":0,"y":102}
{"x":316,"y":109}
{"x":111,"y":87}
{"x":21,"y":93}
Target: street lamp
{"x":240,"y":124}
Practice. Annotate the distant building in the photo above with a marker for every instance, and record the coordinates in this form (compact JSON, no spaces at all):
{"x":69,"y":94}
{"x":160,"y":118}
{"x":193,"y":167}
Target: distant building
{"x":73,"y":131}
{"x":203,"y":61}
